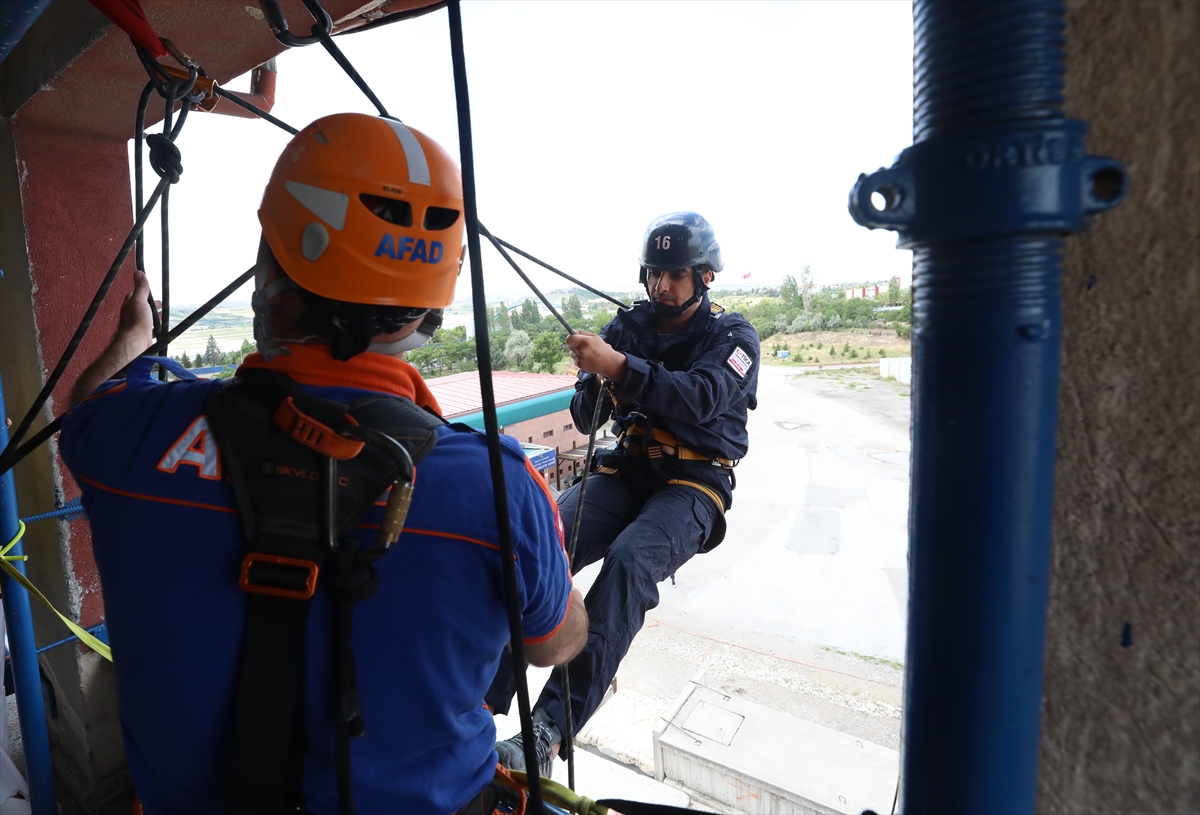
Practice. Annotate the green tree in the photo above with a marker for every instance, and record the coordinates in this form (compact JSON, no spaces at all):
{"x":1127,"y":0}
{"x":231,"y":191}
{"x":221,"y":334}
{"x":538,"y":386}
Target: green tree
{"x":572,"y":309}
{"x":530,"y":316}
{"x":500,"y":319}
{"x":246,"y":349}
{"x":600,"y":319}
{"x":185,"y":360}
{"x":893,"y":295}
{"x":806,"y":284}
{"x":517,"y":349}
{"x":212,"y":351}
{"x":547,"y":352}
{"x":788,"y":290}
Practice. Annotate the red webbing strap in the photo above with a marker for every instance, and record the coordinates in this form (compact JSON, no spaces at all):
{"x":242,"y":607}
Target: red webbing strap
{"x":129,"y":17}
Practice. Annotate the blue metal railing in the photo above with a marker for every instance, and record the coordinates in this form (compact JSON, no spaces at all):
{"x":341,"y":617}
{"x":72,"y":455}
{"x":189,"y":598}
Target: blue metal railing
{"x":26,"y":680}
{"x":995,"y":177}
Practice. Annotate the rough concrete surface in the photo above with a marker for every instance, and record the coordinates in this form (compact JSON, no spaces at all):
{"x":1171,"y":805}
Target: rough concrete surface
{"x":1121,"y":726}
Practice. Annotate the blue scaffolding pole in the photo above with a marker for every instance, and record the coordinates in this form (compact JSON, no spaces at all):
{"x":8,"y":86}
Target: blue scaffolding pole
{"x":27,"y":681}
{"x":994,"y":180}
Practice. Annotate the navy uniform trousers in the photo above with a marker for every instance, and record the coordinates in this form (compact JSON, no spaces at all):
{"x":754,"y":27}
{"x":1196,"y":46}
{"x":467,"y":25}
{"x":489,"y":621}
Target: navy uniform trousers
{"x":643,"y":536}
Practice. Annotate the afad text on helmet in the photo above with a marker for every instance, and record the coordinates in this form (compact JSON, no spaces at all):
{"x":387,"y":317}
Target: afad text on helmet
{"x":403,"y":245}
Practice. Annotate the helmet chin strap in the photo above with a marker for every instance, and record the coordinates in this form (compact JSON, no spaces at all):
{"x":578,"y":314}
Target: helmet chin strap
{"x":430,"y":322}
{"x":659,"y":310}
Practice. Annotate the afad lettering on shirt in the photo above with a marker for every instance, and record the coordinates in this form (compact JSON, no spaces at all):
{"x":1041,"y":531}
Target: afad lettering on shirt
{"x":196,"y":447}
{"x":405,"y":248}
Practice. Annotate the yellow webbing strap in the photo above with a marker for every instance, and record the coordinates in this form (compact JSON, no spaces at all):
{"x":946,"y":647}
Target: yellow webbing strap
{"x":666,"y":437}
{"x":716,"y":499}
{"x":560,"y":795}
{"x":6,"y":564}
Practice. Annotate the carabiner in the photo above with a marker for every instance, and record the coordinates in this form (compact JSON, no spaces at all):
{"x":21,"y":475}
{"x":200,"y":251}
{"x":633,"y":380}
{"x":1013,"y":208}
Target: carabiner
{"x":279,"y":24}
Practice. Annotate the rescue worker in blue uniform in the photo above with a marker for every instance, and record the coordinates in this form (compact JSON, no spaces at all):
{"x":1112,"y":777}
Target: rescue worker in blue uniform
{"x":676,"y":375}
{"x":334,"y":312}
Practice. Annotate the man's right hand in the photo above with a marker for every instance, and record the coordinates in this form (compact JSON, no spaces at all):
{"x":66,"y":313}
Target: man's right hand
{"x":592,"y":354}
{"x":567,"y":641}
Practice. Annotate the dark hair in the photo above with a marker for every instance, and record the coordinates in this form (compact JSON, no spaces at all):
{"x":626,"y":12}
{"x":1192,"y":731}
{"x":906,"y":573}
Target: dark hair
{"x":349,"y":327}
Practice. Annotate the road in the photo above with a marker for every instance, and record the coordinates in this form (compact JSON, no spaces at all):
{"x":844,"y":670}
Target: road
{"x":801,"y":608}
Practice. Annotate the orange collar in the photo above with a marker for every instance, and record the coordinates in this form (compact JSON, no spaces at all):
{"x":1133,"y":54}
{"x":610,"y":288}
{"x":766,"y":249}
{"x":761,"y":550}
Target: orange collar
{"x":315,"y":365}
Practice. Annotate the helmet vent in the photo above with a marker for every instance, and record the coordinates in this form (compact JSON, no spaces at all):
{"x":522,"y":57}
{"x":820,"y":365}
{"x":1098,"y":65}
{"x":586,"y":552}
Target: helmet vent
{"x":438,"y":218}
{"x":392,"y":210}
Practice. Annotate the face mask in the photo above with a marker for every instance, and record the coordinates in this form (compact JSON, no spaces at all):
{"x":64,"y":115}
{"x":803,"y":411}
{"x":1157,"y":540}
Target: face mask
{"x":430,"y":323}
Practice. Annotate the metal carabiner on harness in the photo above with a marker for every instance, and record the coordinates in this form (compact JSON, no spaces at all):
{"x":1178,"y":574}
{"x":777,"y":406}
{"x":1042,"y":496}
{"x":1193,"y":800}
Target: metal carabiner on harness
{"x":400,"y":496}
{"x":279,"y":24}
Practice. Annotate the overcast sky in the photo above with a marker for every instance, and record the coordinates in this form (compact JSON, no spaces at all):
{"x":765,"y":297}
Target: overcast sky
{"x":592,"y":118}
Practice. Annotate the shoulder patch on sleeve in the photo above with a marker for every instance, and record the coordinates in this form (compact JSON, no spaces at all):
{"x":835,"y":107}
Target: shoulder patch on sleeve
{"x":740,"y":361}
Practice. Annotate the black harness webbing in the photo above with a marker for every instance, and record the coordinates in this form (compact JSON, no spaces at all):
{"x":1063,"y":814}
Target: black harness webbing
{"x":303,"y":470}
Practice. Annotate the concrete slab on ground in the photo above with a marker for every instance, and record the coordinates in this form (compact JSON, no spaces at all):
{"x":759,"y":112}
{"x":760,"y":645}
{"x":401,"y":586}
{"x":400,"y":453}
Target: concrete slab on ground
{"x":760,"y":761}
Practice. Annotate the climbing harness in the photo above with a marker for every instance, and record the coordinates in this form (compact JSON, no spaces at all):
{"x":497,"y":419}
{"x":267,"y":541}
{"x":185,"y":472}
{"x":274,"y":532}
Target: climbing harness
{"x":297,"y":530}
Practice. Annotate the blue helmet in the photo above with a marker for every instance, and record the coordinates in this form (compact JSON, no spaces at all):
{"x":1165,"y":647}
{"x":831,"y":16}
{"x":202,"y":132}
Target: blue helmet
{"x":678,"y":240}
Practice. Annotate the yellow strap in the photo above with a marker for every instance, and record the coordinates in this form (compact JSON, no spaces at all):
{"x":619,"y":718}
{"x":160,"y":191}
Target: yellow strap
{"x":6,"y":564}
{"x":561,"y":795}
{"x":666,"y":437}
{"x":716,"y":499}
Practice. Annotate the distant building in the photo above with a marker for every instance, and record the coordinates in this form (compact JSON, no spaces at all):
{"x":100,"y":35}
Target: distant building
{"x":862,"y":292}
{"x":532,"y":408}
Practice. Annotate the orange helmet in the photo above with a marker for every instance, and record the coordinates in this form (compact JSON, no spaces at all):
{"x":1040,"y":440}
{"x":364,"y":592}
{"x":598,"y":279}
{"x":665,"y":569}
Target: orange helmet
{"x":364,"y":209}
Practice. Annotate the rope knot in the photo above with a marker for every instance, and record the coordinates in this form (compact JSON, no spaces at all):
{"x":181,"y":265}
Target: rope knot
{"x":165,"y":157}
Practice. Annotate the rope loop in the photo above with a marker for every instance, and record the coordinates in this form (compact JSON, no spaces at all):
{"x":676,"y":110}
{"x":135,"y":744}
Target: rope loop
{"x":165,"y":157}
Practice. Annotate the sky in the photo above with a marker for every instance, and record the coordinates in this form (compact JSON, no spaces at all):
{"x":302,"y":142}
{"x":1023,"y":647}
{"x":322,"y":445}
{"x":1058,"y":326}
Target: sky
{"x":592,"y":118}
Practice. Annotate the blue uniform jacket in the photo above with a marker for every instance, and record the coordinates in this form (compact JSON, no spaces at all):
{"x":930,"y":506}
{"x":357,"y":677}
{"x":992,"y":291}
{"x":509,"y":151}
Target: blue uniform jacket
{"x":697,"y":384}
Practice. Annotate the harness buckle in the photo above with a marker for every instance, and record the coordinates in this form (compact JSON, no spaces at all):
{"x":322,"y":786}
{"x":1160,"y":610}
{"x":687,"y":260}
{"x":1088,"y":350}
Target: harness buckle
{"x":276,"y":576}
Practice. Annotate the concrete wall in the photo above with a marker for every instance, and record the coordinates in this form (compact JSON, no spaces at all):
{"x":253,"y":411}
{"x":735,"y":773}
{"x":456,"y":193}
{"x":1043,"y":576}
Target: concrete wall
{"x":1121,"y":726}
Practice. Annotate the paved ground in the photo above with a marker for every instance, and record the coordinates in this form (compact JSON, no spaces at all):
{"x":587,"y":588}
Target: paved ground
{"x":801,"y":609}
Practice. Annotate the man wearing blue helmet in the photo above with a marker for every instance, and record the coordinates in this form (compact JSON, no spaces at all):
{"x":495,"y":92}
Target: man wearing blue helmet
{"x":676,"y":374}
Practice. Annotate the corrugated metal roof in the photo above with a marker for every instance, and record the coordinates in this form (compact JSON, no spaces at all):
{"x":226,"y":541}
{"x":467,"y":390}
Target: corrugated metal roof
{"x":459,"y":394}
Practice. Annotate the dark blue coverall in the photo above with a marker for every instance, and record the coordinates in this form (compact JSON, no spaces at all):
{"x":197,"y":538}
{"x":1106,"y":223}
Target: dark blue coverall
{"x":697,"y":385}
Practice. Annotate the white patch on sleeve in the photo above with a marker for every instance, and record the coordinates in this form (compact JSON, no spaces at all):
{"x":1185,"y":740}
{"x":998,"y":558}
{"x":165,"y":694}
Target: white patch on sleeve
{"x":740,"y":361}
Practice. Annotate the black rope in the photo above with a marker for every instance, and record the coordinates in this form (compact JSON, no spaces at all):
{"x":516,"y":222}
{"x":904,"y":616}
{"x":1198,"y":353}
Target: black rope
{"x":86,"y":323}
{"x":341,"y":60}
{"x":168,"y":159}
{"x":9,"y":460}
{"x":489,"y":403}
{"x":569,"y":736}
{"x":546,"y":265}
{"x":525,"y":277}
{"x":257,"y":111}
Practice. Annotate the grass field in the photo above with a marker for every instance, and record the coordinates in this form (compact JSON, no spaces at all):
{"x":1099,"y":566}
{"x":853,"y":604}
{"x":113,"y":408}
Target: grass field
{"x":865,"y":343}
{"x":229,"y":326}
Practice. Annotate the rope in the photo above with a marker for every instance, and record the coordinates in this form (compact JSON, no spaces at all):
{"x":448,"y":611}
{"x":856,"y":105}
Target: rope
{"x":569,"y":736}
{"x":61,"y":512}
{"x":525,"y":277}
{"x":341,"y":60}
{"x":560,"y":796}
{"x":483,"y":352}
{"x":15,"y":573}
{"x":546,"y":265}
{"x":255,"y":109}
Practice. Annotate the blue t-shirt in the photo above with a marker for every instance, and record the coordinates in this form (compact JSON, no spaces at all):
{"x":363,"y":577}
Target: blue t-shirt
{"x":168,"y":546}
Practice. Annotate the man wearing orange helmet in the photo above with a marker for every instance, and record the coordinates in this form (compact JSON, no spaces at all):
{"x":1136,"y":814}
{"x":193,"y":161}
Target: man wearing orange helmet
{"x":277,"y":494}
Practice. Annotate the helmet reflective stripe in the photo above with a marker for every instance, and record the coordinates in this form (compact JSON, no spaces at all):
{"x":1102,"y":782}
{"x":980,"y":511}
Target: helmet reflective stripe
{"x":414,"y":155}
{"x":327,"y":205}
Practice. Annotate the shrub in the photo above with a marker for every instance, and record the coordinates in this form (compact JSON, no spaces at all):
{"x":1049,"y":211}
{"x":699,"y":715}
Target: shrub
{"x":883,"y":352}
